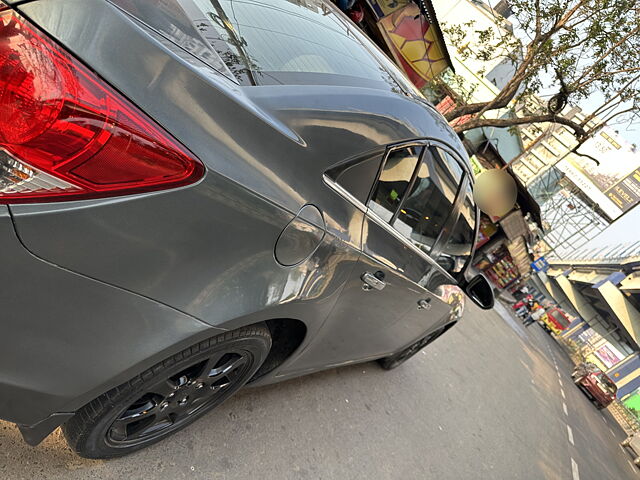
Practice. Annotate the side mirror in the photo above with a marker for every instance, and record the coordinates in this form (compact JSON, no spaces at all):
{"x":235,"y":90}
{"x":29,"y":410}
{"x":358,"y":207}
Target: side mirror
{"x":479,"y":291}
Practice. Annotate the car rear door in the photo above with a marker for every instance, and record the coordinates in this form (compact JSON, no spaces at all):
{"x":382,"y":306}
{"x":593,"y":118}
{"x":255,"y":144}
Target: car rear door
{"x":394,"y":296}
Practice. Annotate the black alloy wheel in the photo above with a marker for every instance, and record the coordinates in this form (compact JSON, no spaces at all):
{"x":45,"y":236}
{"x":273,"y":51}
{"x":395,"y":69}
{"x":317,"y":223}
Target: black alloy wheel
{"x":169,"y":403}
{"x":168,"y":396}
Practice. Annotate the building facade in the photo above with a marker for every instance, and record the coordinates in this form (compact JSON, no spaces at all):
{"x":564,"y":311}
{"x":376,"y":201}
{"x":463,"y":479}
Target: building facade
{"x":600,"y":288}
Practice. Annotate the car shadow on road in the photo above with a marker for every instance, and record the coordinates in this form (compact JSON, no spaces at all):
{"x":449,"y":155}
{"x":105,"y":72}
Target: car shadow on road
{"x":236,"y":417}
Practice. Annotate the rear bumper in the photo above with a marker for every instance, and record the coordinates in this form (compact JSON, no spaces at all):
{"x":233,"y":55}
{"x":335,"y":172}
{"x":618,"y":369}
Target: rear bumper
{"x":594,"y":394}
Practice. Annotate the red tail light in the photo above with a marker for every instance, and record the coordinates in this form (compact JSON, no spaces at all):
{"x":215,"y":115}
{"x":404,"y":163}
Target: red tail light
{"x":66,"y":135}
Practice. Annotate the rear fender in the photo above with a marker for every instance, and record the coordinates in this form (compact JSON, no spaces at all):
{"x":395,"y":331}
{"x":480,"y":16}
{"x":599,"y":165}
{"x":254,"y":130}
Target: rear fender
{"x":67,"y":338}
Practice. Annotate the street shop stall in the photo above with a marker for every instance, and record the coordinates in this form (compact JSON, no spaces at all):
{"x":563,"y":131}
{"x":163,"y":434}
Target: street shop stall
{"x":496,"y":263}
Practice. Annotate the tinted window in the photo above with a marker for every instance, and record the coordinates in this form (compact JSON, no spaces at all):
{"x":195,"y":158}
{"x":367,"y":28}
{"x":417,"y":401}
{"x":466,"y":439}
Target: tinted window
{"x":394,"y":180}
{"x":428,"y":204}
{"x":452,"y":166}
{"x":359,"y":178}
{"x":458,"y":247}
{"x":275,"y":40}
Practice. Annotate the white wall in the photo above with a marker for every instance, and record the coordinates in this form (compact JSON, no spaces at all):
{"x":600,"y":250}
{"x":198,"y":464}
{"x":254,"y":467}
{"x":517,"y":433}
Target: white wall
{"x":459,"y":12}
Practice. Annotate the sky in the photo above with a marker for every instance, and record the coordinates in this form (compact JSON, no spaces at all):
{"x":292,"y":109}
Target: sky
{"x":630,"y":132}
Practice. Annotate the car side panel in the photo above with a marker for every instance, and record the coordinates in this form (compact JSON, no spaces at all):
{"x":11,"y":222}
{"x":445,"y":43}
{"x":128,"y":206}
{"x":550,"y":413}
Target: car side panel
{"x":65,"y":338}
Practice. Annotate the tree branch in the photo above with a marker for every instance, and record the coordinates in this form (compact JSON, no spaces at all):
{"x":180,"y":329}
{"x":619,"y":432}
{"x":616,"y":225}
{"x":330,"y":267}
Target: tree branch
{"x":595,"y":160}
{"x":579,"y":131}
{"x":594,"y":63}
{"x":607,"y":104}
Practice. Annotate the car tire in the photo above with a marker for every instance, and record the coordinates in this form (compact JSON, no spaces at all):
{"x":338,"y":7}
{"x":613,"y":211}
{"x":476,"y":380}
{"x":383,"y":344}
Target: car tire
{"x":168,"y":396}
{"x":397,"y":359}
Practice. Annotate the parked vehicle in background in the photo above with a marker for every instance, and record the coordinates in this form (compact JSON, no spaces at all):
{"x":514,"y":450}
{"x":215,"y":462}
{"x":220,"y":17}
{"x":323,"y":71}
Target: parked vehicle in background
{"x":595,"y":384}
{"x":557,"y":320}
{"x":583,"y":368}
{"x":251,"y":193}
{"x":632,"y":443}
{"x":522,"y":307}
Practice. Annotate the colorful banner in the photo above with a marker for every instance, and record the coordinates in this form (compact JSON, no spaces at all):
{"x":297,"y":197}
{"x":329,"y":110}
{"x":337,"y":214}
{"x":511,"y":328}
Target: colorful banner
{"x":413,"y":42}
{"x":382,"y":8}
{"x":607,"y":355}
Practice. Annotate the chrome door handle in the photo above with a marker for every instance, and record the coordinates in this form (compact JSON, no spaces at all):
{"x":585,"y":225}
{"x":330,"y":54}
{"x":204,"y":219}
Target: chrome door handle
{"x":372,"y":281}
{"x":424,"y":304}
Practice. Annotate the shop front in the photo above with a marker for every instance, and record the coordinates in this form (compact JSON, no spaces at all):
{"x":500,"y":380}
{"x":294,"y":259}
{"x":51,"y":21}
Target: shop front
{"x":496,"y":263}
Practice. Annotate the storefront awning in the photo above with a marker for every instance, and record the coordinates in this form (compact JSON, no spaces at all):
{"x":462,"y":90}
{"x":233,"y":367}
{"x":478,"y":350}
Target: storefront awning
{"x":514,"y":225}
{"x":554,"y":272}
{"x":631,"y":283}
{"x":518,"y":251}
{"x":586,"y":277}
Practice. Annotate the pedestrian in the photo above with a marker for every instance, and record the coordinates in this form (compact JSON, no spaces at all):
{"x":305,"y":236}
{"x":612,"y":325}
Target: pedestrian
{"x":535,"y":316}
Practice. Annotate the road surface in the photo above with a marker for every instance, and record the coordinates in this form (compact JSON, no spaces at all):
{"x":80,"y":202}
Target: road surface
{"x":485,"y":401}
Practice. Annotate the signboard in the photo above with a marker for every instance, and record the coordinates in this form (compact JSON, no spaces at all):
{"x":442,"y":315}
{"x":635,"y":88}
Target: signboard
{"x":601,"y":348}
{"x":614,"y":184}
{"x":476,"y":166}
{"x":608,"y":355}
{"x":626,"y":194}
{"x":540,"y":265}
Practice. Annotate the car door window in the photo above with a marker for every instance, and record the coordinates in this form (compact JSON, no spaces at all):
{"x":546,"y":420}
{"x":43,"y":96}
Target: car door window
{"x":459,"y":245}
{"x":429,"y":201}
{"x":358,"y":179}
{"x":394,"y":181}
{"x":452,"y":165}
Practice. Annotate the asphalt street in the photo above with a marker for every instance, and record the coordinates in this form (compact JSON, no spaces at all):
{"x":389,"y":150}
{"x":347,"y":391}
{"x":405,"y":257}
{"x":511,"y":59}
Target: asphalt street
{"x":485,"y":401}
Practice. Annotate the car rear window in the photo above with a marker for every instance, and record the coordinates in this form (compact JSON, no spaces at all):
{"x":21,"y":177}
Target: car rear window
{"x":278,"y":40}
{"x":268,"y":42}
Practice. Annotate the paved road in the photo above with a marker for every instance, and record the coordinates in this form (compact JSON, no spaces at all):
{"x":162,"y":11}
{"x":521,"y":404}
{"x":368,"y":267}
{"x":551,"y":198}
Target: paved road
{"x":483,"y":402}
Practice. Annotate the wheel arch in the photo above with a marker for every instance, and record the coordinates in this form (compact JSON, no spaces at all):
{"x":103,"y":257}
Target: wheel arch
{"x":287,"y":335}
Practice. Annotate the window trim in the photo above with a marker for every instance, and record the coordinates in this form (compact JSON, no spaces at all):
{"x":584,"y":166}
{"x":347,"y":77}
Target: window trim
{"x":467,"y":179}
{"x":476,"y":227}
{"x":368,"y":213}
{"x":453,"y":216}
{"x":412,"y":182}
{"x":428,"y":145}
{"x":343,"y":192}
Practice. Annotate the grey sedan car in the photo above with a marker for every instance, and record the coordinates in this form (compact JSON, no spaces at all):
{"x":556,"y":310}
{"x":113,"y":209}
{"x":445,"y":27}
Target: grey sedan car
{"x":196,"y":195}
